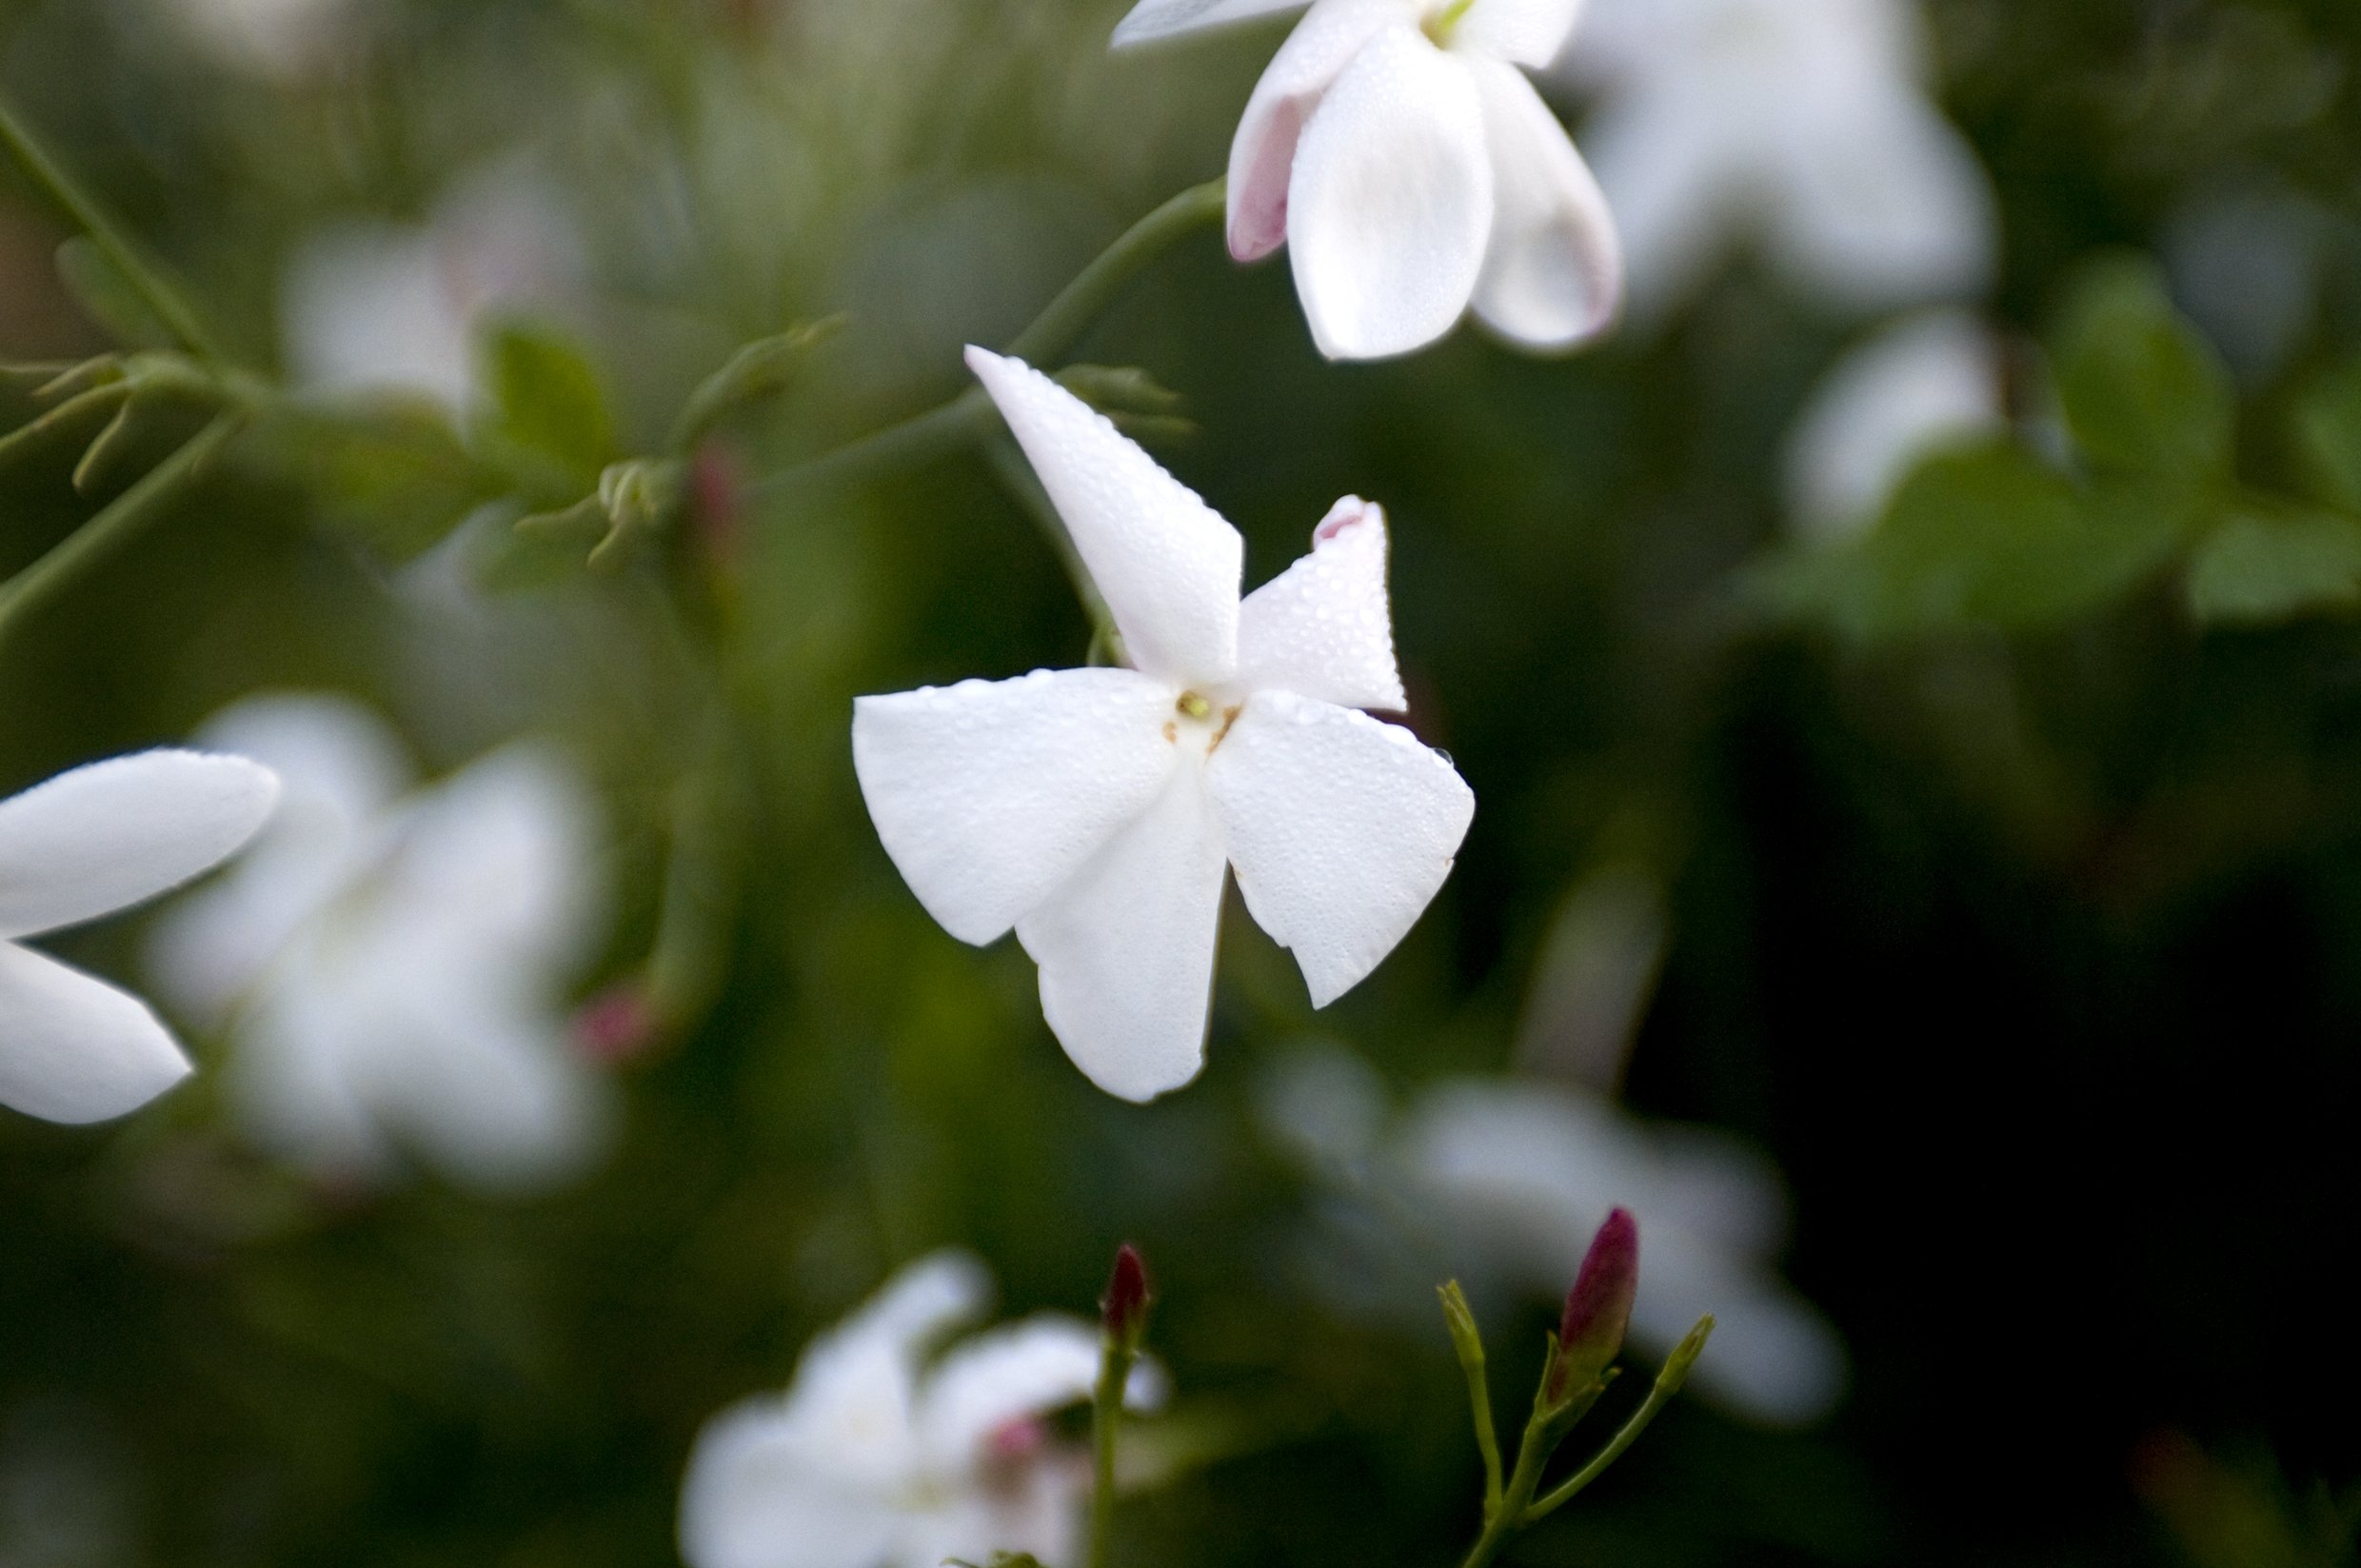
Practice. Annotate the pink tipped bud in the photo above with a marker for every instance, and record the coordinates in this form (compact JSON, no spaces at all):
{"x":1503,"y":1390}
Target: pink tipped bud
{"x":1125,"y":1309}
{"x":616,"y":1025}
{"x":1599,"y":1309}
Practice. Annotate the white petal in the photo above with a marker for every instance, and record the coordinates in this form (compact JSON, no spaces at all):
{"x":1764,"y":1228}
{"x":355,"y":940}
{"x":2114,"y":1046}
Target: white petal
{"x":1167,"y":563}
{"x":856,"y":1387}
{"x":1322,"y":627}
{"x":1677,"y":183}
{"x":1167,"y":18}
{"x":1004,"y":1374}
{"x":1390,"y":207}
{"x":1037,"y":1511}
{"x":1888,"y":206}
{"x":1127,"y":948}
{"x":761,"y":1492}
{"x":1528,"y":33}
{"x":111,"y":834}
{"x":1342,"y":828}
{"x":1553,"y":274}
{"x":990,"y":795}
{"x":294,"y":1078}
{"x":1922,"y":383}
{"x":1262,"y":155}
{"x":339,"y":766}
{"x":498,"y":869}
{"x":74,"y":1049}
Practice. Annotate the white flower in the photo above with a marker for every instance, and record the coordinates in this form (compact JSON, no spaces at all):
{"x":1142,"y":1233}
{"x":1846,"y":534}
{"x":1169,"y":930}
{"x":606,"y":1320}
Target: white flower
{"x":87,"y":844}
{"x":1925,"y":383}
{"x":873,"y":1459}
{"x":1805,"y":120}
{"x":1525,"y":1174}
{"x":371,"y":307}
{"x":389,"y":966}
{"x":1410,"y":169}
{"x":1094,"y":810}
{"x":292,"y":40}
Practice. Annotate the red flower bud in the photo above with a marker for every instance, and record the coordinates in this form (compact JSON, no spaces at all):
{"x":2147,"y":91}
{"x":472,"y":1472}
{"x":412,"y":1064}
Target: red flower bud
{"x":1124,"y":1309}
{"x":1599,"y":1309}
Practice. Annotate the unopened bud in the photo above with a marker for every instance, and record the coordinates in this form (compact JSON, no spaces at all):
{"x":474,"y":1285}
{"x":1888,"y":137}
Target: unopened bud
{"x":1599,"y":1309}
{"x":616,"y":1025}
{"x":1125,"y":1309}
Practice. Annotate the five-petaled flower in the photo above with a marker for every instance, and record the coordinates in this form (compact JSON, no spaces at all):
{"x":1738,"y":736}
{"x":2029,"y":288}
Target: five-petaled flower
{"x":1410,"y":169}
{"x":874,"y":1460}
{"x":87,"y":844}
{"x":1094,"y":810}
{"x":390,"y":966}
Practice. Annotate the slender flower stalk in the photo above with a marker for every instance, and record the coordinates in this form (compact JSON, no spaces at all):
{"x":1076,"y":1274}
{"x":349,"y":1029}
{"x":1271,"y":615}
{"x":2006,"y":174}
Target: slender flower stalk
{"x":950,"y":425}
{"x":147,"y":276}
{"x":125,"y":515}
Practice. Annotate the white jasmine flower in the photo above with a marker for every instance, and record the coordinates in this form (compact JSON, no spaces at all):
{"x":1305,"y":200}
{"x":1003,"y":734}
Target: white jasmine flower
{"x":102,"y":838}
{"x":1804,"y":121}
{"x":1925,"y":383}
{"x":874,"y":1458}
{"x":1523,"y":1174}
{"x":1410,"y":169}
{"x":371,"y":307}
{"x":1094,"y":810}
{"x":389,"y":966}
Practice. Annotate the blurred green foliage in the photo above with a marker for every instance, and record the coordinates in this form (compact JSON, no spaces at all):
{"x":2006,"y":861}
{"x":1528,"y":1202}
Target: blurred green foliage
{"x":2012,"y":846}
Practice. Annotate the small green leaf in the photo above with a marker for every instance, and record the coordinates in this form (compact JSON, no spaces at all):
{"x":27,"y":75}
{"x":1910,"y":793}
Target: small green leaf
{"x":2255,"y":570}
{"x":755,"y":371}
{"x":2145,"y":394}
{"x":2328,"y":435}
{"x":1988,"y":537}
{"x":100,"y":288}
{"x":397,"y":477}
{"x":549,"y":402}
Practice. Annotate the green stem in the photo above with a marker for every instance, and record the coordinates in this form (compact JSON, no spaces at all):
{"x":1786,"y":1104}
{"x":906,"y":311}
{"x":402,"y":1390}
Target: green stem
{"x":114,"y":523}
{"x":1107,"y":1410}
{"x":148,"y":277}
{"x":1081,"y":302}
{"x":1051,"y":335}
{"x":1533,"y":1452}
{"x":1668,"y":1383}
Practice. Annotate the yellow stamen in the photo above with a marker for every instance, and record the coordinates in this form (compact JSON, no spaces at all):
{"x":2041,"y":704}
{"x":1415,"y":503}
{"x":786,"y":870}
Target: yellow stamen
{"x":1193,"y":706}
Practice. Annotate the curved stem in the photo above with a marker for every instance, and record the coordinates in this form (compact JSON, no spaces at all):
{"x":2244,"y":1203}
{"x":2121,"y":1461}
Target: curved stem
{"x":148,"y":277}
{"x":1051,"y":335}
{"x":1668,"y":1381}
{"x":122,"y":517}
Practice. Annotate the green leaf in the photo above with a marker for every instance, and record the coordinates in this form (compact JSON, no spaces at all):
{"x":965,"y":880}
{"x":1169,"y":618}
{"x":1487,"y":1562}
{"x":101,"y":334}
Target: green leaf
{"x":2145,"y":394}
{"x":397,"y":476}
{"x":1988,"y":537}
{"x":2328,"y":435}
{"x":2256,"y":569}
{"x":111,"y":299}
{"x":549,"y":404}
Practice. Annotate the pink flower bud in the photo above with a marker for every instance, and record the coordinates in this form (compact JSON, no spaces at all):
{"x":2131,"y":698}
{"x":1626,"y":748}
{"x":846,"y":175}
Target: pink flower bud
{"x":1125,"y":1309}
{"x":1599,"y":1309}
{"x":616,"y":1025}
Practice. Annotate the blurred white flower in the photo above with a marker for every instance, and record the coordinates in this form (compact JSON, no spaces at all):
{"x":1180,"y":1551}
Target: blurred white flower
{"x":875,"y":1459}
{"x":1094,"y":810}
{"x":88,"y":843}
{"x":390,"y":966}
{"x":1410,"y":169}
{"x":1927,"y":382}
{"x":1523,"y":1174}
{"x":390,"y":307}
{"x":292,"y":40}
{"x":1805,"y":121}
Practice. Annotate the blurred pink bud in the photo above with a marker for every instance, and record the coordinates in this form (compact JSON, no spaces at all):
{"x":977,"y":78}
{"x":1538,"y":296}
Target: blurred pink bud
{"x":616,"y":1025}
{"x":717,"y":499}
{"x":1125,"y":1309}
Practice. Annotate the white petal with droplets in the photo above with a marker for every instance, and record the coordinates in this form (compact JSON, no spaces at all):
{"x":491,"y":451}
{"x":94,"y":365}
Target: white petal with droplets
{"x":1322,"y":627}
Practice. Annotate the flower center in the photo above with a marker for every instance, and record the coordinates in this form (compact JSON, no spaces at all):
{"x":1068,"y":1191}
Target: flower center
{"x":1199,"y":709}
{"x":1441,"y":21}
{"x":1194,"y":705}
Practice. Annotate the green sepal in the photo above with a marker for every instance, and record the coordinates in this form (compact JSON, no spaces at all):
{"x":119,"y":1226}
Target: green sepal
{"x":763,"y":368}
